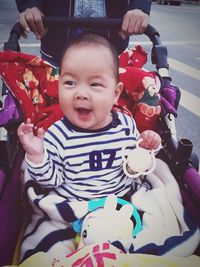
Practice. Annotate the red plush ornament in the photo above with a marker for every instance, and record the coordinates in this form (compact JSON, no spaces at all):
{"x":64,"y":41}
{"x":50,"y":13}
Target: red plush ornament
{"x":48,"y":115}
{"x":34,"y":83}
{"x":132,"y":79}
{"x":135,"y":57}
{"x":140,"y":91}
{"x":146,"y":117}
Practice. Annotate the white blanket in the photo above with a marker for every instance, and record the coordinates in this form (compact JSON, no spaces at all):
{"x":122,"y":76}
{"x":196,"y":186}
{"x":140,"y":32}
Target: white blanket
{"x":167,"y":227}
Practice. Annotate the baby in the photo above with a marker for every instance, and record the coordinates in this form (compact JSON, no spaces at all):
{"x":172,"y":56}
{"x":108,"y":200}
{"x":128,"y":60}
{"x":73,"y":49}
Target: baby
{"x":80,"y":156}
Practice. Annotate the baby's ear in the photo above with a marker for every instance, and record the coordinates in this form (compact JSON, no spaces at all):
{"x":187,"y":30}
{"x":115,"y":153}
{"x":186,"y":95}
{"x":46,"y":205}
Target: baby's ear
{"x":118,"y":90}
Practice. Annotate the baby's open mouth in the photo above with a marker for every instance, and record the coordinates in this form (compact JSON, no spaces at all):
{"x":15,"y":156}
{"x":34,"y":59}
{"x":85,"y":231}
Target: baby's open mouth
{"x":83,"y":111}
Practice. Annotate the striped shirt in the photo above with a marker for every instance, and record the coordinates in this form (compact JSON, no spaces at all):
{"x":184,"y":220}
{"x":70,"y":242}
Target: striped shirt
{"x":83,"y":165}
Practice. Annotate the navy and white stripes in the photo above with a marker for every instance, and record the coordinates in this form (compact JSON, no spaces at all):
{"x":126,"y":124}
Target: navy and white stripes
{"x":86,"y":164}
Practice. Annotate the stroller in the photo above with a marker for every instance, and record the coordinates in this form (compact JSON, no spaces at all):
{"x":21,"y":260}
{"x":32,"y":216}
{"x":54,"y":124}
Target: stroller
{"x":177,"y":154}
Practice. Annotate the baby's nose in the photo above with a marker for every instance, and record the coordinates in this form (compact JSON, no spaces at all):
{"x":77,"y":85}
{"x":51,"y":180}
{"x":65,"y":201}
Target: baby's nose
{"x":82,"y":93}
{"x":81,"y":96}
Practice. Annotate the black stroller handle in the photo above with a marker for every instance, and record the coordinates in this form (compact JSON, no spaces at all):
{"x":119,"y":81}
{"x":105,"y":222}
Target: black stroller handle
{"x":98,"y":23}
{"x":94,"y":23}
{"x":158,"y":55}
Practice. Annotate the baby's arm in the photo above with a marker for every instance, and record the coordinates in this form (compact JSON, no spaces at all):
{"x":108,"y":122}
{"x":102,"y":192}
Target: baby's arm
{"x":150,"y":139}
{"x":45,"y":169}
{"x":33,"y":144}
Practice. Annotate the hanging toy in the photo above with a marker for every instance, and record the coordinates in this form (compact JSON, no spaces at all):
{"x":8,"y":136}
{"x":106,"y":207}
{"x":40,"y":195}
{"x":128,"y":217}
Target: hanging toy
{"x":138,"y":161}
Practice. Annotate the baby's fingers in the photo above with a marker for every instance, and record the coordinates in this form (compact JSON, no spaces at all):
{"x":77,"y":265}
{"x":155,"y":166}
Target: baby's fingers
{"x":40,"y":132}
{"x":25,"y":128}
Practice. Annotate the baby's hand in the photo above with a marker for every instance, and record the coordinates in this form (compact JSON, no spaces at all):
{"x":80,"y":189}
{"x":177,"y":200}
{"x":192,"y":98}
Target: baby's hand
{"x":150,"y":139}
{"x":33,"y":144}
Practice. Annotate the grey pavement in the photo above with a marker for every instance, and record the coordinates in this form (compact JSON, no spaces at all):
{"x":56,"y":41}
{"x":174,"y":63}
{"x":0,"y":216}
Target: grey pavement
{"x":8,"y":16}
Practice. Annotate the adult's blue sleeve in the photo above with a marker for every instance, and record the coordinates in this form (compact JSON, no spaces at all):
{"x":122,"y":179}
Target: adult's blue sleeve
{"x":144,"y":5}
{"x":24,"y":4}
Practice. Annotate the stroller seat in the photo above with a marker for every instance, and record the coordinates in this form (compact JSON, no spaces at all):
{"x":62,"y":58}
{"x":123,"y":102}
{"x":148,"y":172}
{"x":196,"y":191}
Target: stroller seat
{"x":31,"y":91}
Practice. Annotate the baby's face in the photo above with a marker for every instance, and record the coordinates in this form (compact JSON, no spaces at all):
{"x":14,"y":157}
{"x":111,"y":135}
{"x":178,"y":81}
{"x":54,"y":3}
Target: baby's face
{"x":88,"y":87}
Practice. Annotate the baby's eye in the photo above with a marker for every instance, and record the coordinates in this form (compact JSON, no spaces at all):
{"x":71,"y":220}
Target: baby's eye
{"x":69,"y":83}
{"x":96,"y":84}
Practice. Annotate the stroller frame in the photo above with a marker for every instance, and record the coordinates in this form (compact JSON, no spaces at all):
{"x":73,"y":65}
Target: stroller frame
{"x":176,"y":153}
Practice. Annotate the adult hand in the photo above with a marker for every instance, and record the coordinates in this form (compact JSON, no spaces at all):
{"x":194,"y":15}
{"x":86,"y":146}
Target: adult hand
{"x":134,"y":22}
{"x":33,"y":144}
{"x":31,"y":20}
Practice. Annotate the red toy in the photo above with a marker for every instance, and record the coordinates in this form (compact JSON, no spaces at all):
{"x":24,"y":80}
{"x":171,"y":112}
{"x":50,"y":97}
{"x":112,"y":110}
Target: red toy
{"x":141,"y":88}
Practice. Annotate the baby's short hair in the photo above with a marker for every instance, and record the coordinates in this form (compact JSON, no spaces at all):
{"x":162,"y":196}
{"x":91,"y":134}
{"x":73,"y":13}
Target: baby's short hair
{"x":98,"y":40}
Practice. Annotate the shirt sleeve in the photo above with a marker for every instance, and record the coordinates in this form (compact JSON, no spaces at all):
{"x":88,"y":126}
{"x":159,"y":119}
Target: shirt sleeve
{"x":24,"y":4}
{"x":144,"y":5}
{"x":49,"y":172}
